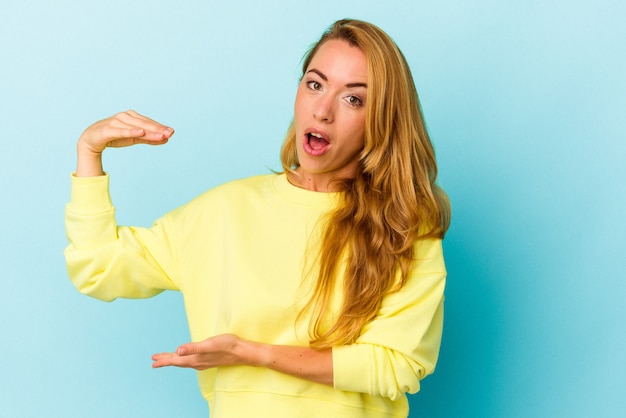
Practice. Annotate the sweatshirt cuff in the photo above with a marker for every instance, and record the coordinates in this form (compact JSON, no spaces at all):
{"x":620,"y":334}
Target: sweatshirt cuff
{"x":349,"y":370}
{"x":90,"y":195}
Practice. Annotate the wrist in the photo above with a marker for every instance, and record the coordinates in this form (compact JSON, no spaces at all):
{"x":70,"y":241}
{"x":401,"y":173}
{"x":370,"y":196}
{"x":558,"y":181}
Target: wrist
{"x":89,"y":161}
{"x":84,"y":148}
{"x":253,"y":353}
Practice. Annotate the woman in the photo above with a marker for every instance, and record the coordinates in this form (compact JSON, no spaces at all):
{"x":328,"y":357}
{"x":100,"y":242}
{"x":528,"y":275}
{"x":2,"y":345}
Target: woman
{"x":313,"y":292}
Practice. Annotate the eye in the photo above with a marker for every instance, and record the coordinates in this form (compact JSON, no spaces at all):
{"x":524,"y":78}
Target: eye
{"x":354,"y":101}
{"x":314,"y":85}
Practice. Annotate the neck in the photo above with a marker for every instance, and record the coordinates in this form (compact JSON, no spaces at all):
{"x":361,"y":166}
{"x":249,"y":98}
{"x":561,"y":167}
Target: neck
{"x":314,"y":183}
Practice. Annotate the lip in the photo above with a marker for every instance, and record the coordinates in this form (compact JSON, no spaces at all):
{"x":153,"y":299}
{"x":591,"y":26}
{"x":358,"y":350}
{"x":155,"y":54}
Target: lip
{"x":315,"y":152}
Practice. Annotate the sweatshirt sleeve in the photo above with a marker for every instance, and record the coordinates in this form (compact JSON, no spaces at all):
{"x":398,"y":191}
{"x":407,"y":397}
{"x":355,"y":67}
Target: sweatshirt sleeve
{"x":107,"y":261}
{"x":401,"y":345}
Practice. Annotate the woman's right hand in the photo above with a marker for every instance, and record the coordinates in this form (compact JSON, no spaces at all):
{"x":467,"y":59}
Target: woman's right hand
{"x":121,"y":130}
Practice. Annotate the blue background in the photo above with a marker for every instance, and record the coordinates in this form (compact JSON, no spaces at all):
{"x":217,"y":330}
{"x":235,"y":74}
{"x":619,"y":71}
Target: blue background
{"x":525,"y":102}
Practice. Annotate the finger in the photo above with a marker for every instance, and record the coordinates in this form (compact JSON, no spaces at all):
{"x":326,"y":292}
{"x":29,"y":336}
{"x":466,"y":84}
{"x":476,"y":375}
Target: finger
{"x":161,"y":356}
{"x":121,"y":137}
{"x":188,"y":362}
{"x":126,"y":142}
{"x":164,"y":359}
{"x":187,"y":349}
{"x":132,"y":118}
{"x":119,"y":131}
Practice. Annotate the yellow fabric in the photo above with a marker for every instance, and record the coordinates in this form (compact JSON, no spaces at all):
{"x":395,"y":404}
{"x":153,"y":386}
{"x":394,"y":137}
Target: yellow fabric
{"x":236,"y":253}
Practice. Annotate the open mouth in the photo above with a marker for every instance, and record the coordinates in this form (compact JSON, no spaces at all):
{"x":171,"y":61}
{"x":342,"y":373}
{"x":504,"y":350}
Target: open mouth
{"x":316,"y":141}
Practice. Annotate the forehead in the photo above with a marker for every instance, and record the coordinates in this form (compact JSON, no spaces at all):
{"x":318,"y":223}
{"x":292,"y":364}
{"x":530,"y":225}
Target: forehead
{"x":341,"y":60}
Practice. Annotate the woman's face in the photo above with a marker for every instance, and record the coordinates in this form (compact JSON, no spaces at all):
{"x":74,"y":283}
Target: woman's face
{"x":329,"y":115}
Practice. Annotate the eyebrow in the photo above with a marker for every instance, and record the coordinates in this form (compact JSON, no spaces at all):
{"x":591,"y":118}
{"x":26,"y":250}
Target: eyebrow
{"x":323,"y":77}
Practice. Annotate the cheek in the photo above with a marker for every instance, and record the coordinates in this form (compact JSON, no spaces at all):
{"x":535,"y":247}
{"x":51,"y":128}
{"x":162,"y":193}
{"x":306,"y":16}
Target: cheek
{"x":296,"y":107}
{"x":358,"y":131}
{"x":299,"y":102}
{"x":298,"y":110}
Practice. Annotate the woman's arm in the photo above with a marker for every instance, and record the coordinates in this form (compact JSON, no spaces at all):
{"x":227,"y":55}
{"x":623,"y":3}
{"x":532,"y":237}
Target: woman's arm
{"x":395,"y":350}
{"x":230,"y":350}
{"x":103,"y":260}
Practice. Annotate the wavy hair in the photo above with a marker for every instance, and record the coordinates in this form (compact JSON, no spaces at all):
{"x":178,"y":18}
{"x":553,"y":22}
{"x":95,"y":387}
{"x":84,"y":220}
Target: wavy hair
{"x":389,"y":205}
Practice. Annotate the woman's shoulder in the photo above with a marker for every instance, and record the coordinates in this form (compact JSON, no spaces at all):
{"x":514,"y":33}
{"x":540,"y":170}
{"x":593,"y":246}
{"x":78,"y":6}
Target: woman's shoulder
{"x":239,"y":188}
{"x":231,"y":191}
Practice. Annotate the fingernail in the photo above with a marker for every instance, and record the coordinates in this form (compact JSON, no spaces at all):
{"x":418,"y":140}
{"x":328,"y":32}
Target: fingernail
{"x":181,"y":351}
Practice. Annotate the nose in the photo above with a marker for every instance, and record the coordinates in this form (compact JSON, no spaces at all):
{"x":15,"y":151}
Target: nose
{"x":324,"y":109}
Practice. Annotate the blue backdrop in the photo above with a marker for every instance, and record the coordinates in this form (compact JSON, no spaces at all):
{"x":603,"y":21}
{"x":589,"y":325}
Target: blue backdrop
{"x":525,"y":102}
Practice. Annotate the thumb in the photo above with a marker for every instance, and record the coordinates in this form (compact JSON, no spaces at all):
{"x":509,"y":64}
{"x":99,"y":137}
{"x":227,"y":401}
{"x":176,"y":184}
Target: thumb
{"x":186,"y":349}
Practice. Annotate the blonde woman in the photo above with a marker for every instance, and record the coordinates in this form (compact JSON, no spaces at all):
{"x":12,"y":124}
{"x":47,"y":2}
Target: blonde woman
{"x":315,"y":292}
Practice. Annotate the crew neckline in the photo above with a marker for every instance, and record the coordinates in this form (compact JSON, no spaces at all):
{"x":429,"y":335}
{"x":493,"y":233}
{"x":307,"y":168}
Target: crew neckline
{"x":301,"y":196}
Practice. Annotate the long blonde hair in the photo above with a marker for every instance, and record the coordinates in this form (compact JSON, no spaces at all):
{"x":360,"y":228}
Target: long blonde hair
{"x":391,"y":203}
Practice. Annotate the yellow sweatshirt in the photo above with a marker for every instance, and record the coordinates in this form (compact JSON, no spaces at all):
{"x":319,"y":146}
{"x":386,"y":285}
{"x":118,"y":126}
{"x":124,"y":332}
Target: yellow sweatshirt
{"x":236,"y":253}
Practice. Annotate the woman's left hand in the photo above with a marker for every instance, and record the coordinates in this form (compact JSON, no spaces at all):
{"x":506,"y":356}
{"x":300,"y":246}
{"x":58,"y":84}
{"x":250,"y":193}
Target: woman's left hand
{"x":230,"y":350}
{"x":221,"y":350}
